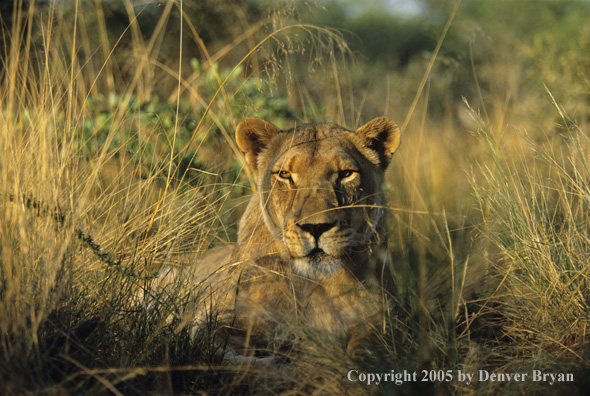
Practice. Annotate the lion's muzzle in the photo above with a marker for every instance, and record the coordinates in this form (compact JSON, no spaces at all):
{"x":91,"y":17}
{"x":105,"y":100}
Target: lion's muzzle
{"x":316,"y":230}
{"x":316,"y":247}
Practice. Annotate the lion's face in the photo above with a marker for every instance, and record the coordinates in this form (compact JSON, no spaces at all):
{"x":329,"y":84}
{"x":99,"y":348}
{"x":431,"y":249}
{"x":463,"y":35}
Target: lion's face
{"x":320,"y":188}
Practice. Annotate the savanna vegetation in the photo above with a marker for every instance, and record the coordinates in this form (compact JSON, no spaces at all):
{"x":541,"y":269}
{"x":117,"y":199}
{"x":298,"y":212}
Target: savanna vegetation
{"x":118,"y":157}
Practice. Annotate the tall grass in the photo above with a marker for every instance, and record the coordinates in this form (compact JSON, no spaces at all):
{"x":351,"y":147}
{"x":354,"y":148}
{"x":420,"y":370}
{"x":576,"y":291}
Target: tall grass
{"x":537,"y":217}
{"x":83,"y":227}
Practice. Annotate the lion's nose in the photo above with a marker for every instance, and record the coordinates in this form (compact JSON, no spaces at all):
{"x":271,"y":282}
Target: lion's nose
{"x":317,"y":229}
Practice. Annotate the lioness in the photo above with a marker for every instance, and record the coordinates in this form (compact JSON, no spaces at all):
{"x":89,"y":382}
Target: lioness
{"x":311,"y":245}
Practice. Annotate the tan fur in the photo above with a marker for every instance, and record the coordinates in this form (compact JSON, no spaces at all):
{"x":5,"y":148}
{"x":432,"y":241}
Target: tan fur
{"x":311,"y":243}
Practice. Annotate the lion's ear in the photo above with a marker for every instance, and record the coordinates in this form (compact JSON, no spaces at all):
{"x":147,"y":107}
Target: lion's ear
{"x":253,"y":134}
{"x":382,"y":136}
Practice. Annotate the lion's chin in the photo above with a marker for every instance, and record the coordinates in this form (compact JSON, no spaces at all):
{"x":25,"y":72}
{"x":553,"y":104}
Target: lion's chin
{"x":317,"y":265}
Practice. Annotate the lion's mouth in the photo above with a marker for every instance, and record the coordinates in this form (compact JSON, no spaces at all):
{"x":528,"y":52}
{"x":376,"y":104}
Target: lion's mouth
{"x":317,"y":255}
{"x":315,"y":251}
{"x":317,"y":264}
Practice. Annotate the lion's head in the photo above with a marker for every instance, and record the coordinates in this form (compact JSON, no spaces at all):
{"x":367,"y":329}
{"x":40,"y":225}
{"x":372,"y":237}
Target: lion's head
{"x":320,"y":189}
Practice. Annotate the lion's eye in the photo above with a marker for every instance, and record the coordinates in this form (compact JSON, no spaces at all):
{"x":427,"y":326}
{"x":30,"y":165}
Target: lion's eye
{"x":285,"y":175}
{"x":343,"y":174}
